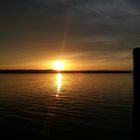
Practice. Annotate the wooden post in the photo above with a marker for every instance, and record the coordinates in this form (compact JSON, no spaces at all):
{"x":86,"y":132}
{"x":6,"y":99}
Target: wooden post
{"x":136,"y":94}
{"x":136,"y":72}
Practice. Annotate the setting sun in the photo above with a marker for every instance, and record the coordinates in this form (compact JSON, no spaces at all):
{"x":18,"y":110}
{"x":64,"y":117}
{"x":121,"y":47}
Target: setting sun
{"x":59,"y":65}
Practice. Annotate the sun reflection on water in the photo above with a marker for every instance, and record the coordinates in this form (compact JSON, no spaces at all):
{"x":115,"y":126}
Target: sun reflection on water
{"x":59,"y":83}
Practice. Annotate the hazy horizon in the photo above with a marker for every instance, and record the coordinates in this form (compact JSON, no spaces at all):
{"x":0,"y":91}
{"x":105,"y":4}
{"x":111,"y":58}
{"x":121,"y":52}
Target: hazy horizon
{"x":62,"y":70}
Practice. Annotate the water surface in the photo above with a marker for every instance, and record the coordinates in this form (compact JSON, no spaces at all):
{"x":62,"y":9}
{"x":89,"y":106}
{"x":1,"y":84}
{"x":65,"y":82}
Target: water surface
{"x":66,"y":106}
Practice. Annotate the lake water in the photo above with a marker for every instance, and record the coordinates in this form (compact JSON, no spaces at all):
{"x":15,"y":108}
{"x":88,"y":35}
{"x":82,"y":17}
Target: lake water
{"x":66,"y":106}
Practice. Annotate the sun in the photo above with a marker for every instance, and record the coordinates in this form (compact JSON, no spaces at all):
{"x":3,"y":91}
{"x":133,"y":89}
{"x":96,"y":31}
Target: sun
{"x":59,"y":65}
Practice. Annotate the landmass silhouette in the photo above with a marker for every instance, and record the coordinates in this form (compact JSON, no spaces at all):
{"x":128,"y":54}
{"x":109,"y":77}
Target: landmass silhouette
{"x":23,"y":71}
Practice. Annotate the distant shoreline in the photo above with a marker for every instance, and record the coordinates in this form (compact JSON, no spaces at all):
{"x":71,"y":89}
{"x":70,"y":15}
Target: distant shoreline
{"x":63,"y":71}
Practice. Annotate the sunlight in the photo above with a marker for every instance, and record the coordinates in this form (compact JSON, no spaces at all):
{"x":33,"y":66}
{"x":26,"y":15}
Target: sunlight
{"x":59,"y":65}
{"x":59,"y":83}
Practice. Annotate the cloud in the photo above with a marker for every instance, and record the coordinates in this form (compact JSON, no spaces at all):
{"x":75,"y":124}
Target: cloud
{"x":105,"y":28}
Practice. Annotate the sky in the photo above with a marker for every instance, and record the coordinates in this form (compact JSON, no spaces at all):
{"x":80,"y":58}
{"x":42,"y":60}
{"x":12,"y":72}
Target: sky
{"x":85,"y":34}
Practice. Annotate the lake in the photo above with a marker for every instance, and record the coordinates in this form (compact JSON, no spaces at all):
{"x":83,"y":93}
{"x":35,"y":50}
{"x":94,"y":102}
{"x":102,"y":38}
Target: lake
{"x":66,"y":106}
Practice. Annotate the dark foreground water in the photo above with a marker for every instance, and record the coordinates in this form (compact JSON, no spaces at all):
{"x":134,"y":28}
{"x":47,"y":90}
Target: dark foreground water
{"x":67,"y":106}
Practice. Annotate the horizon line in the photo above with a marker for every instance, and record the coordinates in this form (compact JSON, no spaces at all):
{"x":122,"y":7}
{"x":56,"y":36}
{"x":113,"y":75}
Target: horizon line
{"x":37,"y":71}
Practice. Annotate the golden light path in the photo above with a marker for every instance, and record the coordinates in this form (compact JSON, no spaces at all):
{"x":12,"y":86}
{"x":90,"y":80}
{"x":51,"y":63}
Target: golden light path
{"x":59,"y":83}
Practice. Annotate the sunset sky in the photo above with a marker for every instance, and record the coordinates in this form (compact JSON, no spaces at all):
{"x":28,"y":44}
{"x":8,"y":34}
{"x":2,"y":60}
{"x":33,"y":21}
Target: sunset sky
{"x":84,"y":34}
